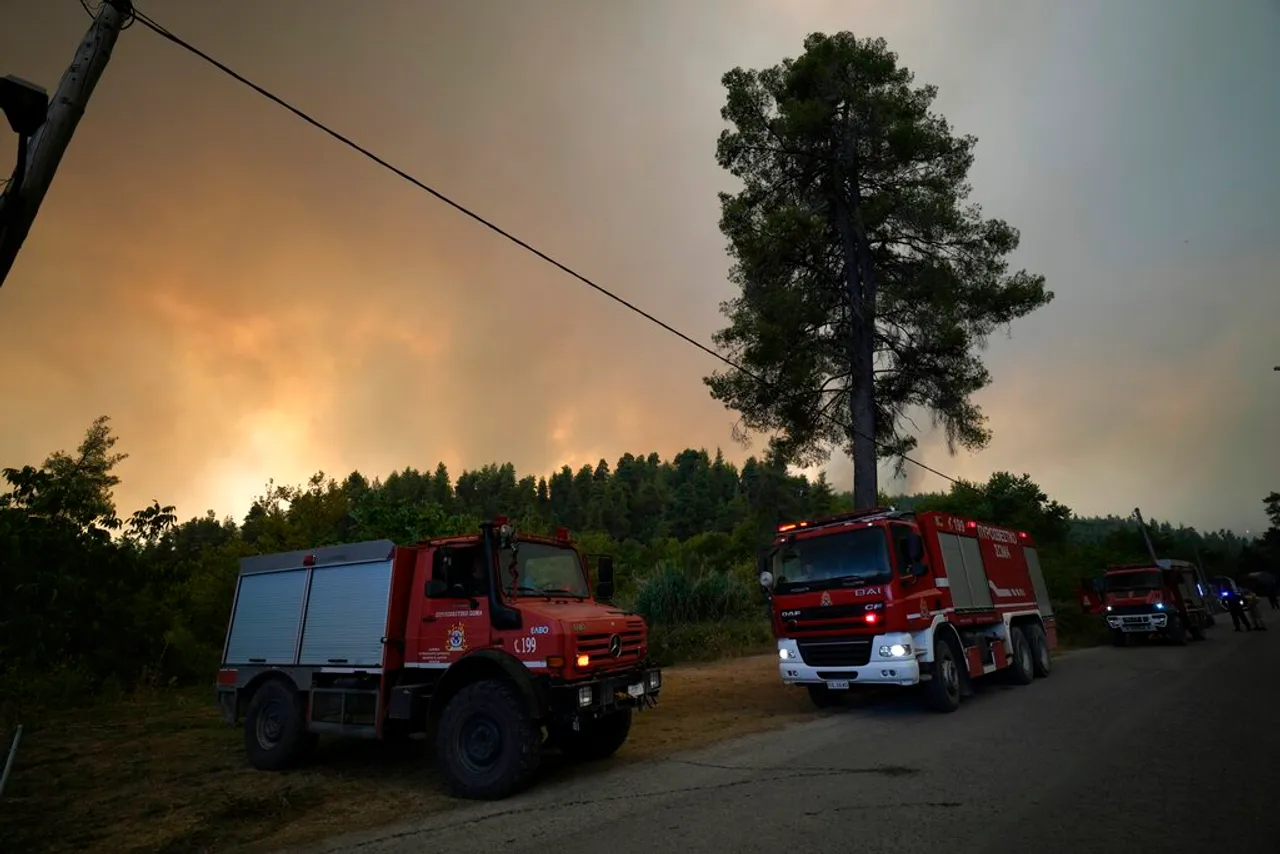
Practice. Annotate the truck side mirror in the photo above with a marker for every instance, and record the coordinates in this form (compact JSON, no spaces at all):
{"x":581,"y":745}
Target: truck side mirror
{"x":604,"y":578}
{"x":919,"y":570}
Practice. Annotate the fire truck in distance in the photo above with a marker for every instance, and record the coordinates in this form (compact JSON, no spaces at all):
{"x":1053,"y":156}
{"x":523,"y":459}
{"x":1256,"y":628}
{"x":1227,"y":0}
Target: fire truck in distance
{"x":883,"y":597}
{"x":486,"y":640}
{"x":1169,"y":599}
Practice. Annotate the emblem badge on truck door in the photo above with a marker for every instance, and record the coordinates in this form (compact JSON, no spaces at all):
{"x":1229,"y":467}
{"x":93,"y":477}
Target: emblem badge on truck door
{"x":826,"y":599}
{"x":456,"y":641}
{"x":615,"y":646}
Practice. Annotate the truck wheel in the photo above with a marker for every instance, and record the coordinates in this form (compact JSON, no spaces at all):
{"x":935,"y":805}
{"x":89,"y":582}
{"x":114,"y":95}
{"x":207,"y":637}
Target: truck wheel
{"x":1119,"y":638}
{"x":275,"y":727}
{"x":942,"y":692}
{"x":1041,"y":658}
{"x":487,"y":742}
{"x":1177,"y":632}
{"x":1196,"y":631}
{"x":598,"y":739}
{"x":1022,"y":665}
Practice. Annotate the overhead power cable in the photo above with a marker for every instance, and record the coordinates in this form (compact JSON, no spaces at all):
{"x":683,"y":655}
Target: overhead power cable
{"x":164,"y":33}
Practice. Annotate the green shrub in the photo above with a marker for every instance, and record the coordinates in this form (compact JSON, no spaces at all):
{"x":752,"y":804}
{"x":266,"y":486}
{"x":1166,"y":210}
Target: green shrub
{"x":1076,"y":628}
{"x":673,"y":594}
{"x":694,"y":642}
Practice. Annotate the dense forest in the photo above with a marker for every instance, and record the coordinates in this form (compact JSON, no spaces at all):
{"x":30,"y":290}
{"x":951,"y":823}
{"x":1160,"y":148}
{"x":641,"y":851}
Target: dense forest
{"x":93,"y":602}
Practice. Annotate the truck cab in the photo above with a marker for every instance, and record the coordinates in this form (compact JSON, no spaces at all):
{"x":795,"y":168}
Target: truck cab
{"x":493,"y":643}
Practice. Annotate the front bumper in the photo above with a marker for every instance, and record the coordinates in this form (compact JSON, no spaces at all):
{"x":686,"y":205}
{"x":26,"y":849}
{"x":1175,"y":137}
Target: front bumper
{"x":1146,"y":623}
{"x":880,"y":669}
{"x":607,"y":692}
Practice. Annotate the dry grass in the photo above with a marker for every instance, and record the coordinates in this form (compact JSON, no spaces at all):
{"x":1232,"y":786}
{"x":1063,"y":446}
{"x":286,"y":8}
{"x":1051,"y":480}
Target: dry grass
{"x":163,"y":773}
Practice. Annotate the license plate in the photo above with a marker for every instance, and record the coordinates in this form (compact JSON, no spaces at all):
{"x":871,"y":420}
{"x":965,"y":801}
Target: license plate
{"x":636,"y":690}
{"x":839,"y":685}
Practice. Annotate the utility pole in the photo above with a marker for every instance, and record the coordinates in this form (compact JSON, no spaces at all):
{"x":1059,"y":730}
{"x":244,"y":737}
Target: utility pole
{"x":1142,"y":525}
{"x":43,"y":150}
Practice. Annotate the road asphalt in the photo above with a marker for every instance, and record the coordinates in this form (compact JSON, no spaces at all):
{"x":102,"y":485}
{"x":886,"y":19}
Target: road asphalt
{"x":1146,"y":749}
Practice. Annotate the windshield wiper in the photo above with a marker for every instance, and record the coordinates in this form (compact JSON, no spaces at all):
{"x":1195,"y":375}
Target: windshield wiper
{"x":549,"y":592}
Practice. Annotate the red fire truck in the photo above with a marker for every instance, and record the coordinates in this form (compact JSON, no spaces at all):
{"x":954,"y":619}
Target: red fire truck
{"x":1168,"y":599}
{"x":486,"y":640}
{"x":883,"y":597}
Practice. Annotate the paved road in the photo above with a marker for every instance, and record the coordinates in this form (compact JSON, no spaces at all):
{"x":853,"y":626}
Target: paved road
{"x":1144,"y":749}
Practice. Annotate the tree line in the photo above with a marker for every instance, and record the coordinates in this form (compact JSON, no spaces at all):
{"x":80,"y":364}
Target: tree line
{"x":90,"y":600}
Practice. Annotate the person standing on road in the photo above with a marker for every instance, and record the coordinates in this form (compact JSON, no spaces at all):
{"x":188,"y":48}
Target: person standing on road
{"x":1275,"y":602}
{"x":1235,"y":604}
{"x":1251,"y":608}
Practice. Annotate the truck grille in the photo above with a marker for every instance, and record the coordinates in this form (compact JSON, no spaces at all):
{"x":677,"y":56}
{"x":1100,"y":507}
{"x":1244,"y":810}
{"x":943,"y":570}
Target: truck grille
{"x":832,"y":618}
{"x":843,"y":653}
{"x":597,"y":645}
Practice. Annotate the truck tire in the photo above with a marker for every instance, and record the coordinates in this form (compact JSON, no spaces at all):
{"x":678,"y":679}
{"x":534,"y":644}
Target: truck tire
{"x":487,"y":743}
{"x":1119,"y":638}
{"x":1177,"y":632}
{"x":942,"y":692}
{"x":599,"y":739}
{"x":1022,"y":662}
{"x":275,"y":727}
{"x":1041,"y":656}
{"x":1196,"y":629}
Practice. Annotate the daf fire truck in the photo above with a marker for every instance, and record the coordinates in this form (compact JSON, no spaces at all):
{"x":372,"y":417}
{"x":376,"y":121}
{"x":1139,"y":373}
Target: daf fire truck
{"x":486,"y":640}
{"x":883,"y":597}
{"x":1169,"y":599}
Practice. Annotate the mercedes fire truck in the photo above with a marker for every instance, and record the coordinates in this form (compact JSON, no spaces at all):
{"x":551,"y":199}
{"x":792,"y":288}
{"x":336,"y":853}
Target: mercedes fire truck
{"x":883,"y":597}
{"x":487,"y":640}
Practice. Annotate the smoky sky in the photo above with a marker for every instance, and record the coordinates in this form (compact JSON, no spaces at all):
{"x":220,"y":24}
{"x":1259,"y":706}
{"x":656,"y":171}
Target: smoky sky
{"x":248,"y":299}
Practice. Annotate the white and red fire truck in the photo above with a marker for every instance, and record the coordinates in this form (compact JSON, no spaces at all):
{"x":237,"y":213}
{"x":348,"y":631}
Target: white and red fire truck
{"x":883,"y":597}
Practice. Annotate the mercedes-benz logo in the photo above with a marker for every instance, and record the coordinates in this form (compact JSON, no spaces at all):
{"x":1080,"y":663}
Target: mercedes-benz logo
{"x":615,"y":646}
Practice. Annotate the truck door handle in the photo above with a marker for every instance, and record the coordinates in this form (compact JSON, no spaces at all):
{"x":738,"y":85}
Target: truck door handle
{"x":430,"y":618}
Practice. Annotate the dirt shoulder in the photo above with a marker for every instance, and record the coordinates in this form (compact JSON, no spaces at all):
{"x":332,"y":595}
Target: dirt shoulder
{"x":165,"y":774}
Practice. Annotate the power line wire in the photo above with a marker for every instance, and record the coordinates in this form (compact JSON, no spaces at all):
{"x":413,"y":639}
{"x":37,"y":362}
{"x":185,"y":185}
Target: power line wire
{"x":164,"y":33}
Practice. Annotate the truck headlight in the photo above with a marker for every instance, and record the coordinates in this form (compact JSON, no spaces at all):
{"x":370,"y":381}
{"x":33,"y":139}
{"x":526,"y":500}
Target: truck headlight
{"x":655,"y":679}
{"x":895,"y":650}
{"x":1159,"y":606}
{"x":584,"y":696}
{"x":784,"y":654}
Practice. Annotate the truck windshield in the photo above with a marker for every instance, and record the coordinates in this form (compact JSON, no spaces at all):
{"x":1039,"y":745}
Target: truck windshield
{"x":1118,"y":581}
{"x":545,"y":569}
{"x":849,"y":559}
